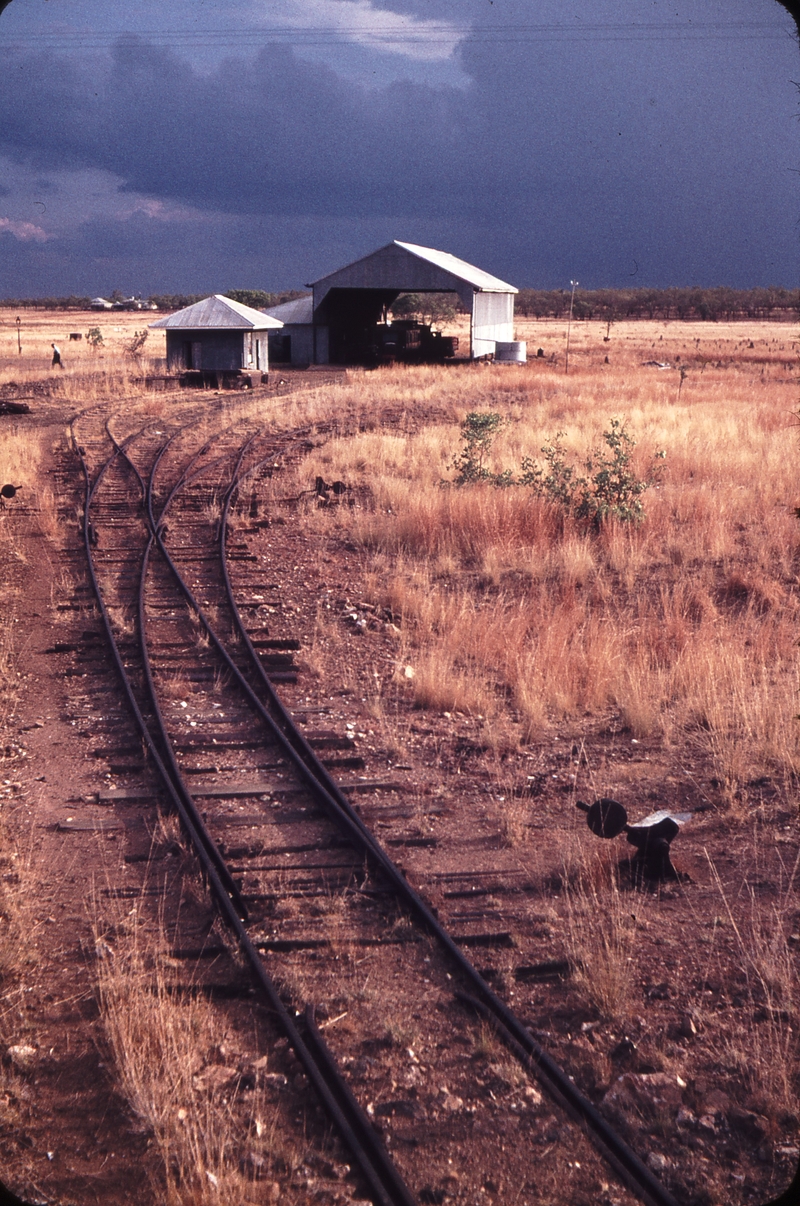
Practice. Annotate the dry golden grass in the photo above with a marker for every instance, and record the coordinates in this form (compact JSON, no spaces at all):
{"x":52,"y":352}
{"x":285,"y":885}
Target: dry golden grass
{"x":684,"y":627}
{"x":40,"y":328}
{"x":178,"y":1072}
{"x":763,"y":1046}
{"x":601,"y":933}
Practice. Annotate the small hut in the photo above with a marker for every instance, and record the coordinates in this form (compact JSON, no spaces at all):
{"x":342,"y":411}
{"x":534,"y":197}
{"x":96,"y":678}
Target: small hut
{"x":217,"y":335}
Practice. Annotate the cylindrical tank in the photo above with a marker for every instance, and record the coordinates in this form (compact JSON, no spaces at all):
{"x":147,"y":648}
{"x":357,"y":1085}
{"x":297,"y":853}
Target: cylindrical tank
{"x":511,"y":353}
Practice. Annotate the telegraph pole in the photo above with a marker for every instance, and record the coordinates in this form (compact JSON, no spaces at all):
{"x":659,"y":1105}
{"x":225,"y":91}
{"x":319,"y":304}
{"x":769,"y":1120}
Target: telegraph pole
{"x":569,"y":322}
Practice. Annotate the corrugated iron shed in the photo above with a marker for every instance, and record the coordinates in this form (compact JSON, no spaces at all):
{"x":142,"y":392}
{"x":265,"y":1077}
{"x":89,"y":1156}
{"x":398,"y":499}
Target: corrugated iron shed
{"x":347,"y":301}
{"x":217,"y":313}
{"x":301,"y":310}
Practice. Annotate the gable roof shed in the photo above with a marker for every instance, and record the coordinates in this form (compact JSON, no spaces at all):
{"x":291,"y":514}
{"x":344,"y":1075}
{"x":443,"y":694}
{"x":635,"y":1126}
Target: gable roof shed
{"x":353,"y":296}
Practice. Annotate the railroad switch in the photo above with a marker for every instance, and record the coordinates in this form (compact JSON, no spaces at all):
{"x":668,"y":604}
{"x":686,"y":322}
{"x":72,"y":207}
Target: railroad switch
{"x":652,"y":836}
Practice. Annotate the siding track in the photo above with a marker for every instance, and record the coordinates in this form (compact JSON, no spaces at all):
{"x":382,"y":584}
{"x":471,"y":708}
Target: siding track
{"x":310,"y":893}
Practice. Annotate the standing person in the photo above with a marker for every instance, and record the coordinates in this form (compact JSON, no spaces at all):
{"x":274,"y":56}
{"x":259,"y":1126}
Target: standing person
{"x":56,"y":356}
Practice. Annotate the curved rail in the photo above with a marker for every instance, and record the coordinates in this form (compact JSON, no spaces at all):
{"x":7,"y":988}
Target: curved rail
{"x":631,"y":1169}
{"x":356,"y":1131}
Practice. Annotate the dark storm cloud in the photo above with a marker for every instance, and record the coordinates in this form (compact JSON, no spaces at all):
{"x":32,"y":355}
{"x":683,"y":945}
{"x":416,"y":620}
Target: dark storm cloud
{"x":273,"y":135}
{"x":622,"y":163}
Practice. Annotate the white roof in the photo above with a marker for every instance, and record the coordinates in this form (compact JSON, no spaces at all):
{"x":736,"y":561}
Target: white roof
{"x":219,"y":313}
{"x":380,"y":266}
{"x":301,"y":310}
{"x":481,"y":280}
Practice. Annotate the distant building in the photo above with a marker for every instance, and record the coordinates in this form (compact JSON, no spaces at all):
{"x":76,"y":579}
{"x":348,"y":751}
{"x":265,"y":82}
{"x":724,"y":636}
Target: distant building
{"x":217,"y":335}
{"x":295,"y":343}
{"x":100,"y":303}
{"x":340,"y":323}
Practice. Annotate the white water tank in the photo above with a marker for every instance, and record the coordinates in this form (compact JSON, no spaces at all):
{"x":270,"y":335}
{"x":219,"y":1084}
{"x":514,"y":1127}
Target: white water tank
{"x":511,"y":353}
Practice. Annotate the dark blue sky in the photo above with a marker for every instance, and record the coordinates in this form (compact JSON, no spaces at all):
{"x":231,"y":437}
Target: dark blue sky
{"x":195,"y":145}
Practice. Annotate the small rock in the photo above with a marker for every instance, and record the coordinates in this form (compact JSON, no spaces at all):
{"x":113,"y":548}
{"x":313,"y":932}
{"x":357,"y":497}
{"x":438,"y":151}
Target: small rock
{"x":638,"y":1093}
{"x":215,"y":1078}
{"x":751,"y":1125}
{"x":21,"y":1056}
{"x":716,"y":1101}
{"x":707,"y":1122}
{"x":623,"y":1051}
{"x":685,"y":1118}
{"x":657,"y":1162}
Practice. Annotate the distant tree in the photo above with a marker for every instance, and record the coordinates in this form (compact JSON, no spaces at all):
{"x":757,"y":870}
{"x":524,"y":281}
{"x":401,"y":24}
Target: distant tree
{"x":175,"y":301}
{"x":433,"y":308}
{"x":258,"y":299}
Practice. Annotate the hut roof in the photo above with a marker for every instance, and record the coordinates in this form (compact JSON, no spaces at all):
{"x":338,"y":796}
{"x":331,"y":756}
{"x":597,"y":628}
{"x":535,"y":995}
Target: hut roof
{"x":371,"y":269}
{"x":218,"y":313}
{"x":301,"y":310}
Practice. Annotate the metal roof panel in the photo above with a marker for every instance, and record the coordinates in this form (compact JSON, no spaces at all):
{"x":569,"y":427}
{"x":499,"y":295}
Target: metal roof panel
{"x":218,"y":313}
{"x":300,"y":310}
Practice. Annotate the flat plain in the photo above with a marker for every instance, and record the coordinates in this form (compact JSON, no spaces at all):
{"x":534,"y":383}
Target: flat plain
{"x":508,"y":658}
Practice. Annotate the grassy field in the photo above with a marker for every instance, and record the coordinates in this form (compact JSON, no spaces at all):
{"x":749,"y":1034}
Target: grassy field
{"x":683,"y":625}
{"x":525,"y":625}
{"x":40,"y":328}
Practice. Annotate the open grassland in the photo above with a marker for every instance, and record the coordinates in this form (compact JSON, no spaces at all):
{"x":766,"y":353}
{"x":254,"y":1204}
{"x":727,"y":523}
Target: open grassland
{"x":513,"y":630}
{"x":87,"y":365}
{"x":683,"y":626}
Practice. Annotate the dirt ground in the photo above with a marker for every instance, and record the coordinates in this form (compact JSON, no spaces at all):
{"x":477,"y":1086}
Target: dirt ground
{"x":670,"y":1068}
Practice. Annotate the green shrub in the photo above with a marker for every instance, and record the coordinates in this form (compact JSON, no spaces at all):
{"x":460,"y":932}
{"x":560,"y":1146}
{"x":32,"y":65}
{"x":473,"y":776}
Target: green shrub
{"x":604,"y":487}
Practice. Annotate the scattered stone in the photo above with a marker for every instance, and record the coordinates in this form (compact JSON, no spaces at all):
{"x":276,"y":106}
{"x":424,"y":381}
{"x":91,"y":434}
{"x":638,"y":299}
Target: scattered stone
{"x":657,"y":1162}
{"x":684,"y":1028}
{"x":639,"y":1094}
{"x":215,"y":1078}
{"x":745,"y":1122}
{"x":716,"y":1101}
{"x":685,"y":1118}
{"x":21,"y":1056}
{"x":708,"y":1123}
{"x":623,"y":1051}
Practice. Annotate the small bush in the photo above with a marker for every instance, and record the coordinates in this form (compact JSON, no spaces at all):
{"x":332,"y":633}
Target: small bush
{"x":604,"y":487}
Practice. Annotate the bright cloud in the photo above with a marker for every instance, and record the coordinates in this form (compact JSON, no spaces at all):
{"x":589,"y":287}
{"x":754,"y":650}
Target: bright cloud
{"x":378,"y":29}
{"x":26,"y":232}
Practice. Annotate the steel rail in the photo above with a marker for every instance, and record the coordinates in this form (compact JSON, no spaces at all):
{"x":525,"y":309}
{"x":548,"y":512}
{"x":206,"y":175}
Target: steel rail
{"x":354,"y":1127}
{"x":633,"y":1171}
{"x":191,"y":819}
{"x":628,"y":1165}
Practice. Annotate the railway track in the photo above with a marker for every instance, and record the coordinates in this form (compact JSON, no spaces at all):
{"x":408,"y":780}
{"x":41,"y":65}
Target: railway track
{"x":325,"y":918}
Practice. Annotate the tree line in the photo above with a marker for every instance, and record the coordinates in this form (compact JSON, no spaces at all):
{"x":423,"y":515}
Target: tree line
{"x":720,"y":304}
{"x":259,"y":299}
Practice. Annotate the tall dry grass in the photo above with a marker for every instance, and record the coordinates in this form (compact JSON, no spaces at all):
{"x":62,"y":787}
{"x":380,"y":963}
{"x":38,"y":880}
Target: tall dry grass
{"x":601,"y":932}
{"x":684,"y":627}
{"x":176,"y":1069}
{"x":762,"y":1045}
